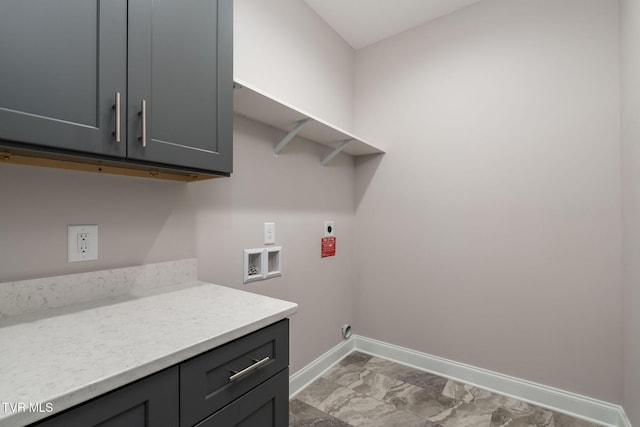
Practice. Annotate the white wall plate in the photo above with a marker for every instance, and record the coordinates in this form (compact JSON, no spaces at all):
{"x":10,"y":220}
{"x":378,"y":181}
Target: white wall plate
{"x":82,"y":243}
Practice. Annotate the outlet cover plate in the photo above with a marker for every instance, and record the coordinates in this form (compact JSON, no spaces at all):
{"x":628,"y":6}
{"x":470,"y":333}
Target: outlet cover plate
{"x":82,"y":243}
{"x":329,"y":230}
{"x":269,"y":233}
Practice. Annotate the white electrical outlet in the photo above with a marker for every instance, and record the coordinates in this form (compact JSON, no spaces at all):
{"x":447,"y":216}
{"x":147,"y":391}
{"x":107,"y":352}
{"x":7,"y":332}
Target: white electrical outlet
{"x":269,"y":233}
{"x":329,"y":230}
{"x":82,"y":243}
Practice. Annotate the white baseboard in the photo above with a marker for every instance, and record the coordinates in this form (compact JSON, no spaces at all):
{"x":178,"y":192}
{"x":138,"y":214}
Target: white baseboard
{"x":313,"y":370}
{"x":578,"y":406}
{"x":624,"y":420}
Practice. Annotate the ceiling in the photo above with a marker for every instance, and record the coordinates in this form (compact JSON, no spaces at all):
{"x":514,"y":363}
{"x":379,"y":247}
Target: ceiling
{"x":363,"y":22}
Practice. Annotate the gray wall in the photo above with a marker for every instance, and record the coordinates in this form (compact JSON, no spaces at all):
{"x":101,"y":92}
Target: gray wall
{"x":284,"y":48}
{"x":490,"y":231}
{"x":139,"y":220}
{"x":630,"y":38}
{"x":298,"y":194}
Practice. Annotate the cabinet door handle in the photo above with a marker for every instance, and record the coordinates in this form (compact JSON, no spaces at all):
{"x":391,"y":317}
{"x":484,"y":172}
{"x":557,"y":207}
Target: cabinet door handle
{"x":116,"y":107}
{"x":143,"y":112}
{"x":245,"y":371}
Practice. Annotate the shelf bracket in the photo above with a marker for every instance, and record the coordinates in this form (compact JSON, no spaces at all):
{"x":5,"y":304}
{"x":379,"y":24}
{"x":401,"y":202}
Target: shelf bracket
{"x":293,"y":132}
{"x":336,"y":151}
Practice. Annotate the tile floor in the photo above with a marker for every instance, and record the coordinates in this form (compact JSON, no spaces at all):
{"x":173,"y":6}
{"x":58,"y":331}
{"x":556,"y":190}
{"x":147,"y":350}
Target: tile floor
{"x":366,"y":391}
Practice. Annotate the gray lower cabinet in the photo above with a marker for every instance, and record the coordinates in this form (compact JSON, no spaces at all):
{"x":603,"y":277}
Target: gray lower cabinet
{"x":152,"y":401}
{"x":136,"y":81}
{"x":265,"y":406}
{"x":208,"y":382}
{"x":244,"y":383}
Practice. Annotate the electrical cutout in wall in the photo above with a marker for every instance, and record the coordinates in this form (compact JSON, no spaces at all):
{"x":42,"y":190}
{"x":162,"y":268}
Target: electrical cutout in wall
{"x":329,"y":229}
{"x":82,"y":244}
{"x":274,"y":255}
{"x":263,"y":263}
{"x":253,"y":263}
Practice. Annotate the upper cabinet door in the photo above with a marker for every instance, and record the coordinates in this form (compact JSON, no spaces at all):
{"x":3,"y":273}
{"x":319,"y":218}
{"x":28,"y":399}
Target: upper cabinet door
{"x":181,"y":83}
{"x":61,"y":64}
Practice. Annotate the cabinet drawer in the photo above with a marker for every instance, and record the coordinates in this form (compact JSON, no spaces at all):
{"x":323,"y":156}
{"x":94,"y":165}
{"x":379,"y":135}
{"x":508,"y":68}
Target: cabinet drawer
{"x":265,"y":406}
{"x":212,"y":380}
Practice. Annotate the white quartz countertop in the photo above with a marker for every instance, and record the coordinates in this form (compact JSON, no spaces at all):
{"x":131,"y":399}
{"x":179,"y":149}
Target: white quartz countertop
{"x":76,"y":354}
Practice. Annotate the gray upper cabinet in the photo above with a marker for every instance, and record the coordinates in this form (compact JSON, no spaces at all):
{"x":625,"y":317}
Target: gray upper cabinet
{"x":61,"y":64}
{"x":180,"y":65}
{"x":65,"y":63}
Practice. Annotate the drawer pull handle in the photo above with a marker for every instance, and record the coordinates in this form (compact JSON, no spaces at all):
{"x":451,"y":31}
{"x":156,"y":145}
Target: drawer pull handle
{"x":245,"y":371}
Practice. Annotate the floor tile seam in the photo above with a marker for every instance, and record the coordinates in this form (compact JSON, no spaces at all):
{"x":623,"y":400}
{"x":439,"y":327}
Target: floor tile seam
{"x":336,"y":417}
{"x":341,"y":420}
{"x":401,"y":365}
{"x":381,"y":374}
{"x":322,"y":401}
{"x":420,"y":370}
{"x":485,"y":412}
{"x":471,"y":389}
{"x":326,"y":415}
{"x":337,"y":388}
{"x":329,"y":416}
{"x":459,"y":401}
{"x":372,"y":397}
{"x":412,"y":385}
{"x":391,"y":404}
{"x":426,"y":420}
{"x":414,"y":413}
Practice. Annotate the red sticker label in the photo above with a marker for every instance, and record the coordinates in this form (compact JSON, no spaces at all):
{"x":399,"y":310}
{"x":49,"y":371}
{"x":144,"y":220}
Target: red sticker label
{"x":328,"y":246}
